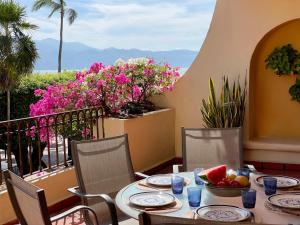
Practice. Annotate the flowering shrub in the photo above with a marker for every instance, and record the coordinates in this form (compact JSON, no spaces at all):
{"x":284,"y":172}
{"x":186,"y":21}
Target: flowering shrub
{"x":122,"y":89}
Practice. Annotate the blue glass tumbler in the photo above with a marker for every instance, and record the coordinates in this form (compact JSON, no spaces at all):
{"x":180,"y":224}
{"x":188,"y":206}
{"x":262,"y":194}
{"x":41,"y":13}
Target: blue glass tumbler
{"x":243,"y":172}
{"x":177,"y":184}
{"x":270,"y":185}
{"x":194,"y":196}
{"x":249,"y":198}
{"x":198,"y":181}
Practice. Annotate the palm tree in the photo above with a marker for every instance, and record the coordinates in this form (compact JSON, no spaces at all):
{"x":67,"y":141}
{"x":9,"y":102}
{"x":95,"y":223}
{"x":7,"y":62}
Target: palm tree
{"x":61,"y":7}
{"x":18,"y":52}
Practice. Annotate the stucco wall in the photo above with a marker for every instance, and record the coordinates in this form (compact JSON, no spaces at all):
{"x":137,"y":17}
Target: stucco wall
{"x":236,"y":29}
{"x":151,"y":137}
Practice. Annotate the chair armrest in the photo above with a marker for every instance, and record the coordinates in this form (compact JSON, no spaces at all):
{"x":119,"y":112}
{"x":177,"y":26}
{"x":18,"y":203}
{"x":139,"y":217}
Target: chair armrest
{"x":107,"y":199}
{"x":142,"y":175}
{"x":72,"y":211}
{"x":176,"y":168}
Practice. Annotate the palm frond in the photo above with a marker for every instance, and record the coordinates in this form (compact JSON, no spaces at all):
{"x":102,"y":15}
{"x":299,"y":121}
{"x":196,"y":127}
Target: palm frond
{"x":72,"y":15}
{"x":38,"y":4}
{"x":55,"y":7}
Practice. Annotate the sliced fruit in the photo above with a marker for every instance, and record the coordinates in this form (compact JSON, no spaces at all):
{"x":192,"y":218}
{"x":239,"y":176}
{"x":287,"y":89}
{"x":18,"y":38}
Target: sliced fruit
{"x":214,"y":175}
{"x":242,"y":180}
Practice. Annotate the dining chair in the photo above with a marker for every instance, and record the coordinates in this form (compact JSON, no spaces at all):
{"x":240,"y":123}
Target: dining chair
{"x":203,"y":147}
{"x":154,"y":219}
{"x":103,"y":167}
{"x":30,"y":204}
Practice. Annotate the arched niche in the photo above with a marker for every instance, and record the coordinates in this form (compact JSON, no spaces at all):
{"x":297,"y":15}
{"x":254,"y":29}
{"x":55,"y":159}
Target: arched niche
{"x":274,"y":116}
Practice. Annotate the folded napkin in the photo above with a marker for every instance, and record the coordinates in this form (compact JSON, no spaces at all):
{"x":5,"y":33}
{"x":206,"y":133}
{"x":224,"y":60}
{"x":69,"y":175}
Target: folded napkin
{"x":177,"y":205}
{"x":294,"y":212}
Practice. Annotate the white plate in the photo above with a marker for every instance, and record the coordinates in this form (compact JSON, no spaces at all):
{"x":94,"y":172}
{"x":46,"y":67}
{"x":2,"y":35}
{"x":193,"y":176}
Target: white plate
{"x":151,"y":199}
{"x":291,"y":201}
{"x":163,"y":180}
{"x":223,"y":213}
{"x":282,"y":181}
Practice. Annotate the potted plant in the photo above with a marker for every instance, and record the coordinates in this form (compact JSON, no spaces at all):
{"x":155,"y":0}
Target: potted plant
{"x":284,"y":60}
{"x":226,"y":111}
{"x":123,"y":90}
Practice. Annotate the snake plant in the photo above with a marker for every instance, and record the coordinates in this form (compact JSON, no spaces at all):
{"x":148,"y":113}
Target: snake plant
{"x":229,"y":109}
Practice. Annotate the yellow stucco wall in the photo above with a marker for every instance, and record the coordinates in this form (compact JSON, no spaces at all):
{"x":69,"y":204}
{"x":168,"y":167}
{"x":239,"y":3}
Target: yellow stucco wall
{"x":236,"y":29}
{"x":274,"y":115}
{"x":151,"y":137}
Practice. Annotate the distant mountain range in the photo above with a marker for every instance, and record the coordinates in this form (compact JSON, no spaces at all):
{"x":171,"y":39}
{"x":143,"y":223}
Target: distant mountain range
{"x":78,"y":56}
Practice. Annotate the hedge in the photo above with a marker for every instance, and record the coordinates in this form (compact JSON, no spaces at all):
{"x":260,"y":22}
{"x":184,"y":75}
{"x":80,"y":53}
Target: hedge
{"x":23,"y":94}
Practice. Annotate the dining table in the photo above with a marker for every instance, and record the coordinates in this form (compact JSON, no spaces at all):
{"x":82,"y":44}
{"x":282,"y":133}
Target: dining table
{"x":260,"y":213}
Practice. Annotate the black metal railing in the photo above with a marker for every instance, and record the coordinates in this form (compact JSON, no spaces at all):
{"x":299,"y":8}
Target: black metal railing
{"x":34,"y":144}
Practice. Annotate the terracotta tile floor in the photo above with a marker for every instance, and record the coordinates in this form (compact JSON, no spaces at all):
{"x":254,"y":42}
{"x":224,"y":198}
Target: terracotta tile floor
{"x":74,"y":219}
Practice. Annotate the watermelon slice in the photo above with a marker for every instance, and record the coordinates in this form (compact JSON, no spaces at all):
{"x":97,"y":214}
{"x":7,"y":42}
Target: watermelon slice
{"x":213,"y":175}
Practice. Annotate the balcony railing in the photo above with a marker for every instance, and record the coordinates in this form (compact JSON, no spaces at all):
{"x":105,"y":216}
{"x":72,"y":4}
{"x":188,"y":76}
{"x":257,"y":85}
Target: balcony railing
{"x":35,"y":144}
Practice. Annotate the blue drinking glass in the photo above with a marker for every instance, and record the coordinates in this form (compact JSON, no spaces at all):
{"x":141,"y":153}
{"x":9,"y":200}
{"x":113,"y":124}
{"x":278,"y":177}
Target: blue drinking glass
{"x":270,"y":185}
{"x":177,"y":184}
{"x":249,"y":198}
{"x":243,"y":172}
{"x":194,"y":196}
{"x":197,"y":178}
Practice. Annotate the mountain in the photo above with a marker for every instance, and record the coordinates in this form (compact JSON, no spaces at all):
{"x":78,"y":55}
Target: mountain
{"x":78,"y":56}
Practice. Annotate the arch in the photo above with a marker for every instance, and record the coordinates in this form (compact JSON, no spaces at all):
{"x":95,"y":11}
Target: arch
{"x":272,"y":113}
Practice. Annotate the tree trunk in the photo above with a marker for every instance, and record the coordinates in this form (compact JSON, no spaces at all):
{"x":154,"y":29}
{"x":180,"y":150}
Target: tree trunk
{"x":8,"y":104}
{"x":61,"y":40}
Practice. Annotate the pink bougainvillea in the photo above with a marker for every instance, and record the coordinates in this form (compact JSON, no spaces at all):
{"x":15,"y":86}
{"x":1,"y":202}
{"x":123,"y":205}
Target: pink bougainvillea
{"x":112,"y":87}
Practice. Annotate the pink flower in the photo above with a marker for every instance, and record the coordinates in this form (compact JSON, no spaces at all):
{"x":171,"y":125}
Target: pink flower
{"x":79,"y":75}
{"x":38,"y":92}
{"x":136,"y":92}
{"x":148,"y":72}
{"x":122,"y":79}
{"x":31,"y":132}
{"x":96,"y":67}
{"x":150,"y":61}
{"x":100,"y":83}
{"x":85,"y":132}
{"x":79,"y":104}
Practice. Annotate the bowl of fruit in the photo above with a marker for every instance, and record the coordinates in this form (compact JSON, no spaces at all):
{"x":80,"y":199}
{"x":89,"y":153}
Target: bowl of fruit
{"x":220,"y":183}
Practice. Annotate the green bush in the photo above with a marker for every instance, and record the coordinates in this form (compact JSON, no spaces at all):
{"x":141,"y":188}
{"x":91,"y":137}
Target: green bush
{"x":295,"y":91}
{"x":23,"y":94}
{"x":284,"y":60}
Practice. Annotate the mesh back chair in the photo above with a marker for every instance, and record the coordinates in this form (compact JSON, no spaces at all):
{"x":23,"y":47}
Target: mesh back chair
{"x":102,"y":166}
{"x":30,"y":205}
{"x":152,"y":219}
{"x":211,"y":147}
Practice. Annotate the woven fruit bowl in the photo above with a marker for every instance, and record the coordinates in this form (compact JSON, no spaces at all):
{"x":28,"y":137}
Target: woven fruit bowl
{"x":225,"y":191}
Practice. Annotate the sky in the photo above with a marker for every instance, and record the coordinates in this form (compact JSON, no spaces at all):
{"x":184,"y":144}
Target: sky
{"x":143,"y":24}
